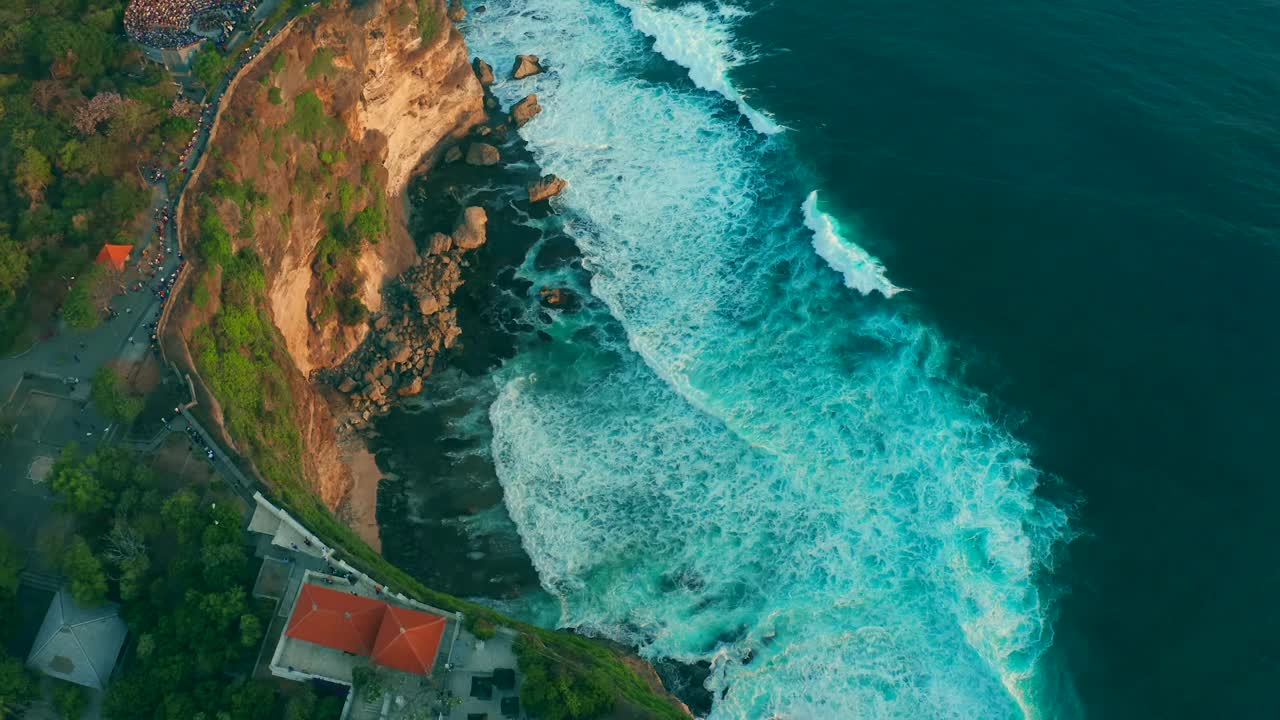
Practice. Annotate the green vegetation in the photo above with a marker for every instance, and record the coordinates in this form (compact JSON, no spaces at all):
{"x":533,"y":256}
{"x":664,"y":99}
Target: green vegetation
{"x":17,"y":687}
{"x":80,"y":112}
{"x":112,"y":399}
{"x":240,"y":355}
{"x":209,"y":66}
{"x":82,"y":309}
{"x":11,"y":564}
{"x":310,"y":120}
{"x":274,"y":96}
{"x":69,"y":699}
{"x":84,"y":571}
{"x":322,"y":64}
{"x":178,"y":563}
{"x":428,"y":23}
{"x":278,"y":63}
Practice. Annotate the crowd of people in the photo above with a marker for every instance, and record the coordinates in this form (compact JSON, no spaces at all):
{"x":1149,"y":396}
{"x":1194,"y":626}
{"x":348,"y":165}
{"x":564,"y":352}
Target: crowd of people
{"x":172,"y":23}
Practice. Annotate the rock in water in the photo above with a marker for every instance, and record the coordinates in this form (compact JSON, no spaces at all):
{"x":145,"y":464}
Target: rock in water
{"x":525,"y":66}
{"x":484,"y":72}
{"x":549,"y":186}
{"x":456,"y":11}
{"x":557,"y":297}
{"x":470,"y":231}
{"x":524,"y":111}
{"x":482,"y":154}
{"x":414,"y":387}
{"x":453,"y":154}
{"x":439,"y":244}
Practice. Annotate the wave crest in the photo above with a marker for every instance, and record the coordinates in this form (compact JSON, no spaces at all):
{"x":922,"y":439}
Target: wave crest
{"x":700,"y":41}
{"x":861,"y":271}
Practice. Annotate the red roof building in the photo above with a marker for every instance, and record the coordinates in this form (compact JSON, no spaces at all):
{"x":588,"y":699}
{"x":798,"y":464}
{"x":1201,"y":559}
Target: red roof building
{"x":390,"y":635}
{"x":409,"y":640}
{"x":336,"y":619}
{"x":114,"y":256}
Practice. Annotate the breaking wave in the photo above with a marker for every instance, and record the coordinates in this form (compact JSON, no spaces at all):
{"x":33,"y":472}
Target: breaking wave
{"x":861,"y":271}
{"x":700,"y":40}
{"x":727,"y":455}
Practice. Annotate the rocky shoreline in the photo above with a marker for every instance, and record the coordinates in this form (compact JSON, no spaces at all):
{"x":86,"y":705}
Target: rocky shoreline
{"x":417,"y":323}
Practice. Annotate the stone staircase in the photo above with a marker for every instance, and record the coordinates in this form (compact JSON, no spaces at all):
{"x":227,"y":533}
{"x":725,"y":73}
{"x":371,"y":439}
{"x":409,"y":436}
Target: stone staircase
{"x":41,"y":581}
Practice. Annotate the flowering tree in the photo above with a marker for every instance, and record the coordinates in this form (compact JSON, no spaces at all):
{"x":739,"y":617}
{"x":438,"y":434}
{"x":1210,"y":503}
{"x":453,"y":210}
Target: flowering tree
{"x":101,"y":108}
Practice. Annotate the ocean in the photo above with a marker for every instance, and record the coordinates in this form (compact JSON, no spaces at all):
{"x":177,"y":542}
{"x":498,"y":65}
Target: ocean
{"x":923,"y":365}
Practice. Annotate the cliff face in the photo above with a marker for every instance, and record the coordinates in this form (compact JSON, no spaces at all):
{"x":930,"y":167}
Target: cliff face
{"x":395,"y":97}
{"x":308,"y":167}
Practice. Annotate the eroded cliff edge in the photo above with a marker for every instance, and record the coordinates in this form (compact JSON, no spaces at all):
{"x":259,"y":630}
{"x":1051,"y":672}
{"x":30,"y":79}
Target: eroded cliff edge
{"x":297,"y":216}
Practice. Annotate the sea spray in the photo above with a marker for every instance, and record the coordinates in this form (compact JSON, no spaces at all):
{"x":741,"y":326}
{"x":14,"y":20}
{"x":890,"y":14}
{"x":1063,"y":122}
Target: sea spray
{"x":700,"y":40}
{"x":731,"y":456}
{"x":861,"y":271}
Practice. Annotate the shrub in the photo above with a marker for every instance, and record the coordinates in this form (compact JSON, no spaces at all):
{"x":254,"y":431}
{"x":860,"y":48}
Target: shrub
{"x":111,"y":399}
{"x":69,"y":700}
{"x":274,"y":96}
{"x":321,"y":64}
{"x":310,"y":121}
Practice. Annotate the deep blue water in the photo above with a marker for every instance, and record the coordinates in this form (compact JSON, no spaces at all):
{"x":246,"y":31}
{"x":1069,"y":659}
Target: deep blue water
{"x":1036,"y":484}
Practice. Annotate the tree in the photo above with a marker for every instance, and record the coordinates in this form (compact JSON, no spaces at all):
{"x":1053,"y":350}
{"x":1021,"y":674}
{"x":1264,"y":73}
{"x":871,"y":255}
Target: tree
{"x":69,"y":700}
{"x":100,"y":109}
{"x":17,"y":688}
{"x":111,"y":399}
{"x":209,"y":66}
{"x":13,"y":269}
{"x":33,"y":174}
{"x":250,"y":630}
{"x":84,"y":570}
{"x":182,"y":513}
{"x":80,"y":488}
{"x":81,"y":308}
{"x":11,"y":564}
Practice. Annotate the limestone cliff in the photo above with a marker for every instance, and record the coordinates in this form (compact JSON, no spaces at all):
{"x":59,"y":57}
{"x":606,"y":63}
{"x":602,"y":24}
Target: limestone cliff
{"x":308,"y":166}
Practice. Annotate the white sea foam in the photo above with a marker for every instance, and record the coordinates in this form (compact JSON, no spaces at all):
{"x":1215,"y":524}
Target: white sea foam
{"x":699,"y":39}
{"x":741,"y":456}
{"x":861,"y":271}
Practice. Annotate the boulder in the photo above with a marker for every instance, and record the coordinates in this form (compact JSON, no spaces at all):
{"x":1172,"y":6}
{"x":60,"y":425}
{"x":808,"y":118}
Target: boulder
{"x":525,"y":66}
{"x":401,"y":354}
{"x":482,"y":154}
{"x":549,"y":186}
{"x":439,"y":244}
{"x":491,"y":103}
{"x":484,"y":72}
{"x":469,"y":233}
{"x":348,"y":384}
{"x":413,"y":387}
{"x":381,"y":323}
{"x":560,"y":298}
{"x":524,"y":111}
{"x":453,"y":154}
{"x":456,"y":11}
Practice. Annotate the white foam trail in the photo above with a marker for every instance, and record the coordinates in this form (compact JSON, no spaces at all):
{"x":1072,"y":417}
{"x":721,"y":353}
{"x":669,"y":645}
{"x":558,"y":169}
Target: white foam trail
{"x":700,"y":41}
{"x":861,"y":271}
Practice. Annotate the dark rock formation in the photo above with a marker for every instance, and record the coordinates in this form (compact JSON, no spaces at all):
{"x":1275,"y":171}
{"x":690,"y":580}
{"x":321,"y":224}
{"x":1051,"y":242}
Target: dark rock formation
{"x":482,"y":154}
{"x":559,"y":298}
{"x":469,"y":233}
{"x":484,"y":72}
{"x":549,"y":186}
{"x":525,"y":110}
{"x":456,"y":11}
{"x":525,"y":66}
{"x":417,"y":325}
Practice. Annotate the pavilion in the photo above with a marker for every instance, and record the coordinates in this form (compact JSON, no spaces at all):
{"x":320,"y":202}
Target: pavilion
{"x":78,"y":644}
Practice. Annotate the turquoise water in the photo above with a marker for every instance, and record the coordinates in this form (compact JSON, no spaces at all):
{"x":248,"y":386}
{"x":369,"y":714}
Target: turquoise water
{"x":752,"y":447}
